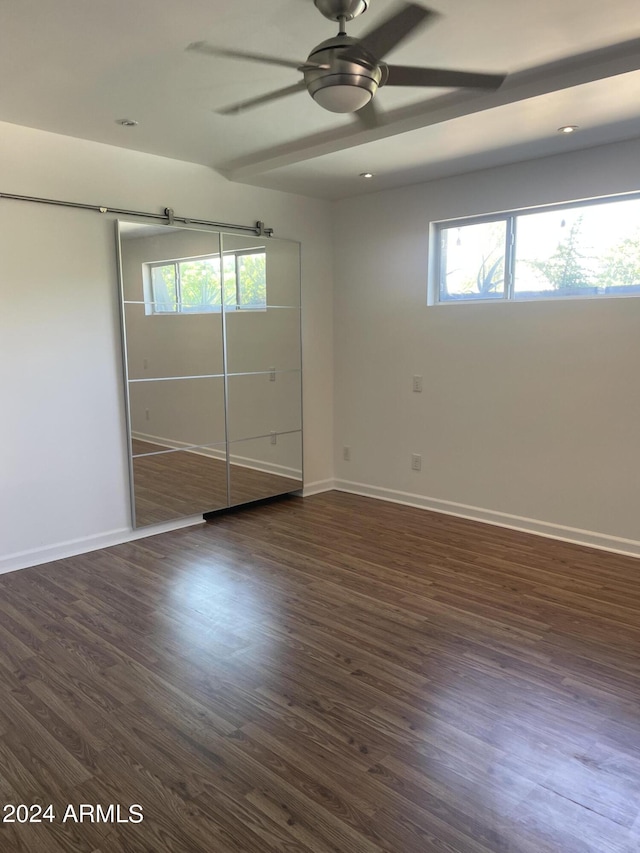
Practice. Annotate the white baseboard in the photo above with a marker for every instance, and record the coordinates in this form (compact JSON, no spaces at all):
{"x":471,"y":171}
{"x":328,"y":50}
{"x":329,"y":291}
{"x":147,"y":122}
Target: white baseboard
{"x":318,"y":487}
{"x":591,"y":539}
{"x":73,"y":547}
{"x":574,"y":535}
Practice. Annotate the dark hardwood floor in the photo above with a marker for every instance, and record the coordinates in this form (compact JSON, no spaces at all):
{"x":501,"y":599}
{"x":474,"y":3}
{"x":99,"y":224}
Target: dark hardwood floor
{"x":329,"y":674}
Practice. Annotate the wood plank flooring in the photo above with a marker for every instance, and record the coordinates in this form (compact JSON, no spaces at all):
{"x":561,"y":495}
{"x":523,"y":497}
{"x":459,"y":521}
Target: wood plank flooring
{"x":330,"y":674}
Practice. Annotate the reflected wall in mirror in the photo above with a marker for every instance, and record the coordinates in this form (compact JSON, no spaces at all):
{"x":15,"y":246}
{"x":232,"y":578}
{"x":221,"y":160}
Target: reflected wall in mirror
{"x":212,"y":355}
{"x":274,"y":334}
{"x":176,"y":413}
{"x":263,"y":403}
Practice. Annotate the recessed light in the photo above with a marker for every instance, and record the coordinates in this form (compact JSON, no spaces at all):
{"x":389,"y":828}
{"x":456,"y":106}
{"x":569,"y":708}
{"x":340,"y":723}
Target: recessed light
{"x":568,"y":128}
{"x":366,"y":174}
{"x":126,"y":122}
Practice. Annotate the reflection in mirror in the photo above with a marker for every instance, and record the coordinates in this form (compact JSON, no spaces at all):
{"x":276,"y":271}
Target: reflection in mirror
{"x":263,"y":340}
{"x":262,"y":403}
{"x":211,"y":333}
{"x":172,"y":345}
{"x":172,"y":277}
{"x":176,"y":413}
{"x":263,"y":467}
{"x":268,"y":271}
{"x":178,"y":483}
{"x":171,"y":270}
{"x":244,"y":272}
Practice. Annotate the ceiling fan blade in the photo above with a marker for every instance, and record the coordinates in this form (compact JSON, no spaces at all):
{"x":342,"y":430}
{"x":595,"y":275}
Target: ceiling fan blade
{"x":234,"y":109}
{"x":383,"y":38}
{"x":212,"y":50}
{"x":406,"y":75}
{"x":369,"y":116}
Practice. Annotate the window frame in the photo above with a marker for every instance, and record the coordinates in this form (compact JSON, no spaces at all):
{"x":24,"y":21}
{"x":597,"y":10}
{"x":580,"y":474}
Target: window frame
{"x":436,"y":267}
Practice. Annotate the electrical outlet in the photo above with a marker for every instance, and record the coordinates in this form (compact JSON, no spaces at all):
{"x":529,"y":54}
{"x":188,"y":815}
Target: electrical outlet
{"x":146,"y":414}
{"x":274,"y":438}
{"x":346,"y":453}
{"x":416,"y":462}
{"x":272,"y":374}
{"x":417,"y":384}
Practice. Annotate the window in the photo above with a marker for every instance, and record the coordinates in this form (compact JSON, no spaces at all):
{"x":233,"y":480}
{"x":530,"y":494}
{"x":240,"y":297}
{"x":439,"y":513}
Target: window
{"x":579,"y":250}
{"x":195,"y":285}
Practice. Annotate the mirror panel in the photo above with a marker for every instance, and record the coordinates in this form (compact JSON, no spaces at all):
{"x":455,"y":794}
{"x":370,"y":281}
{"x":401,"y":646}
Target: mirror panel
{"x":161,"y":345}
{"x":212,"y":355}
{"x":260,"y":469}
{"x":267,"y":270}
{"x":262,"y":403}
{"x":178,"y":483}
{"x":150,"y":259}
{"x":175,"y":413}
{"x":263,"y":340}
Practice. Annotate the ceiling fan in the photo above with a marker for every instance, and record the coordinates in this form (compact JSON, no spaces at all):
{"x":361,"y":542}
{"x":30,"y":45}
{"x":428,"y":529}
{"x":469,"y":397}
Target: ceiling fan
{"x":343,"y":73}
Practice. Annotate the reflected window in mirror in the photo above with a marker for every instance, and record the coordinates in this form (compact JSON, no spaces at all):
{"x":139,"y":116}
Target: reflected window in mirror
{"x":251,"y":280}
{"x":199,"y":285}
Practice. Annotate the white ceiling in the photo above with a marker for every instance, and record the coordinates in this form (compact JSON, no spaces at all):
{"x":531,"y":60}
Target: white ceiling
{"x":75,"y":67}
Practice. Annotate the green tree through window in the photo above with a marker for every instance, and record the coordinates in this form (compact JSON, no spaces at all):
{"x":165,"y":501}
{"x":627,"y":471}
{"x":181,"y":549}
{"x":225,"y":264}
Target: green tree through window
{"x":252,"y":279}
{"x":621,"y":264}
{"x":567,"y":266}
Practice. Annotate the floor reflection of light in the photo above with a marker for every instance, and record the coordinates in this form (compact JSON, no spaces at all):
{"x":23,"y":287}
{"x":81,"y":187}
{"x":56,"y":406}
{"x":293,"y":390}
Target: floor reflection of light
{"x":518,"y":759}
{"x":553,"y":777}
{"x":210,"y":611}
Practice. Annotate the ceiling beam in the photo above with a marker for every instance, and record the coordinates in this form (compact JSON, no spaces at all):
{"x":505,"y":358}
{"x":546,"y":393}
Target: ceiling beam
{"x":565,"y":73}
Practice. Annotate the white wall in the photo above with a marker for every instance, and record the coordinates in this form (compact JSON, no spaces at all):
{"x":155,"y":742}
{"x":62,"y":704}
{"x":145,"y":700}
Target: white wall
{"x":63,"y":469}
{"x":530,"y":413}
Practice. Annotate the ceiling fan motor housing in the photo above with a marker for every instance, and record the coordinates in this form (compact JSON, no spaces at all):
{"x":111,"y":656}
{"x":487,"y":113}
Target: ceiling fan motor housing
{"x":346,"y":10}
{"x":342,"y":83}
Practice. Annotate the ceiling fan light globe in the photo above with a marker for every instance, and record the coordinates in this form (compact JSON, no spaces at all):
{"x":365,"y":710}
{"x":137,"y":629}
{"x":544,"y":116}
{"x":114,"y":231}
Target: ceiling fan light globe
{"x":342,"y":98}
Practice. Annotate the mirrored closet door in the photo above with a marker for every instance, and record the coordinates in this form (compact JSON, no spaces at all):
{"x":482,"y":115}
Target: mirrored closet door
{"x":212,"y":355}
